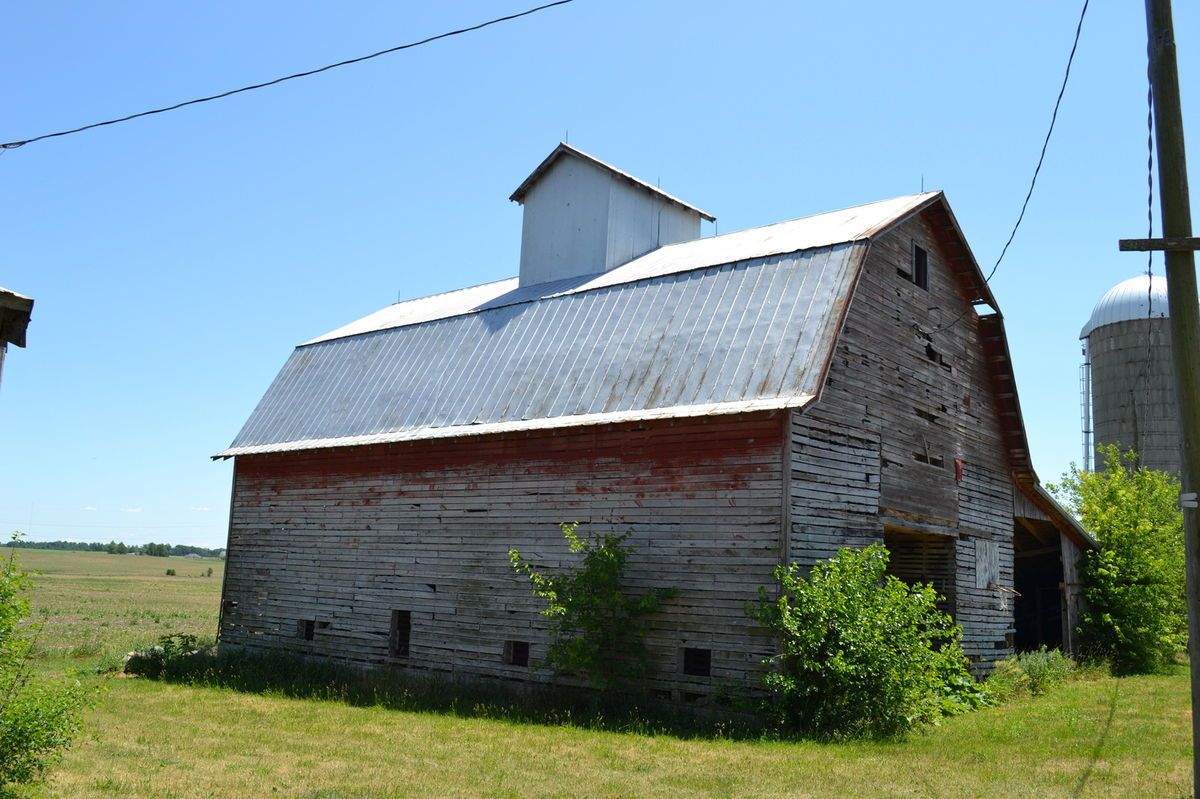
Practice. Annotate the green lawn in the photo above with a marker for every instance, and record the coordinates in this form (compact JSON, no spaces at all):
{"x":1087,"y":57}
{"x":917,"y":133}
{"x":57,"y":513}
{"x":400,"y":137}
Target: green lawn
{"x":1101,"y":738}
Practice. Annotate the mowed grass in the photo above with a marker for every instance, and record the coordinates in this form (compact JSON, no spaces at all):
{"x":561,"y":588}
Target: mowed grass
{"x":1098,"y":738}
{"x":94,"y":606}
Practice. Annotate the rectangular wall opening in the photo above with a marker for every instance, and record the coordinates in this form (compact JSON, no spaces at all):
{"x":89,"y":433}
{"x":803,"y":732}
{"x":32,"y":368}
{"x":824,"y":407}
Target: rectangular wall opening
{"x":516,"y":653}
{"x":401,"y":632}
{"x":924,"y":558}
{"x":697,"y":662}
{"x":306,"y":628}
{"x":920,"y":266}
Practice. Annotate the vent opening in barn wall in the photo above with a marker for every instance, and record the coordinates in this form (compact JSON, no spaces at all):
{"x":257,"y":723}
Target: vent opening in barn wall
{"x":736,"y":402}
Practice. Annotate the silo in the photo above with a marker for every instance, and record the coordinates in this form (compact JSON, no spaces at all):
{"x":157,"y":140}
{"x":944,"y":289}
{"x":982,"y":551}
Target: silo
{"x":1128,"y":388}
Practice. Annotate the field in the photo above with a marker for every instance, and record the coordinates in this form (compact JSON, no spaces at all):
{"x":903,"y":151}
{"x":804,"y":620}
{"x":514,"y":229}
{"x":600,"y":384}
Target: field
{"x":1097,"y":738}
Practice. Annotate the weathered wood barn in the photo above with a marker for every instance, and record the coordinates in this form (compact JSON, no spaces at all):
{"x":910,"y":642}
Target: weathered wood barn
{"x":737,"y":401}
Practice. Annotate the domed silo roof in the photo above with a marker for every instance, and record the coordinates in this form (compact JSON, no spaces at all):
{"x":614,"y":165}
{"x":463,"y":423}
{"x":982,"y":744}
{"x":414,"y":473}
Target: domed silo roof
{"x":1127,"y":301}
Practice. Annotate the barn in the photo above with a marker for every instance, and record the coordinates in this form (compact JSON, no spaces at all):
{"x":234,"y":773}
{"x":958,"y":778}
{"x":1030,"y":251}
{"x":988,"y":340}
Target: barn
{"x":736,"y":401}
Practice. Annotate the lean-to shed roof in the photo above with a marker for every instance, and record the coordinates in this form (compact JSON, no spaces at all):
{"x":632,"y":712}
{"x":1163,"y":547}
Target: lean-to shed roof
{"x":740,"y":322}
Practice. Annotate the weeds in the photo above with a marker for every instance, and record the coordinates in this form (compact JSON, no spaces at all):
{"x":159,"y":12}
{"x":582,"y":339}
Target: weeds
{"x":292,"y":676}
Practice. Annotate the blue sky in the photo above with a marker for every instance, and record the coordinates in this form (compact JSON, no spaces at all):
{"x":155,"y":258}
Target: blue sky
{"x":176,"y":260}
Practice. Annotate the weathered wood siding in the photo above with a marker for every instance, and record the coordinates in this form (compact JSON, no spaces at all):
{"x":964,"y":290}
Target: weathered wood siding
{"x":905,"y":436}
{"x":344,"y":537}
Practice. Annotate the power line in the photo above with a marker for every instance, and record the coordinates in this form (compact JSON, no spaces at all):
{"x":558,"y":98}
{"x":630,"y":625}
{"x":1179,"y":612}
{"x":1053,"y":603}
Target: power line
{"x":1041,"y":159}
{"x":12,"y":145}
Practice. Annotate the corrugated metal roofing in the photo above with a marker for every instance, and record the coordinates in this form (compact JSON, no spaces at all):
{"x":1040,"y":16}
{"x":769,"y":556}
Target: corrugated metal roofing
{"x":1135,"y":298}
{"x":719,"y":339}
{"x":847,"y":225}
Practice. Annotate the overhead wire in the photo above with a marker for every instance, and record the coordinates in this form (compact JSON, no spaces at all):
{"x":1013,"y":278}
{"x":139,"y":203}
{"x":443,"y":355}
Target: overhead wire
{"x":1041,"y":160}
{"x":12,"y":145}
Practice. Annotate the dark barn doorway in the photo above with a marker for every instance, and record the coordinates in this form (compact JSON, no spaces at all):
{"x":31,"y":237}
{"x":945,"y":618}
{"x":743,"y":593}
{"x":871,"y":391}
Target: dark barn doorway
{"x":1038,"y":579}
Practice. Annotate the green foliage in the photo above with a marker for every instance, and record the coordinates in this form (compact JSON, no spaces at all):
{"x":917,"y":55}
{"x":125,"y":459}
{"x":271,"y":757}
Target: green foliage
{"x":1007,"y":681}
{"x":1029,"y":673}
{"x":1134,"y":581}
{"x":171,"y":653}
{"x":863,"y":654}
{"x":37,"y":719}
{"x":170,"y":572}
{"x":597,"y":628}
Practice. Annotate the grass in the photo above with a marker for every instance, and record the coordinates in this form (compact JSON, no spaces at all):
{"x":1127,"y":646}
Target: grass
{"x":1101,"y":737}
{"x":96,"y":607}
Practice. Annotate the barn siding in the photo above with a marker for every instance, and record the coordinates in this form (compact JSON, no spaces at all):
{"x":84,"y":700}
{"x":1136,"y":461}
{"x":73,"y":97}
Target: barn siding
{"x":903,"y":401}
{"x":345,"y":536}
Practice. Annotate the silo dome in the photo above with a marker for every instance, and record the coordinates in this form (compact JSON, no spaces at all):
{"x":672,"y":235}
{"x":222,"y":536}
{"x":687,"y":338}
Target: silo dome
{"x":1140,"y":297}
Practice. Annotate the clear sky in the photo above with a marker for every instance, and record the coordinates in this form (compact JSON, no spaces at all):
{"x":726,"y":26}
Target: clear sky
{"x":176,"y":260}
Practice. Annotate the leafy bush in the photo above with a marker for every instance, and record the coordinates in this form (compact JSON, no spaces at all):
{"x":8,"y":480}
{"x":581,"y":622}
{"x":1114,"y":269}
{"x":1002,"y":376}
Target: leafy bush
{"x":38,"y":719}
{"x":1007,"y":681}
{"x":1046,"y":669}
{"x":1029,"y":673}
{"x":1134,"y":581}
{"x":170,"y":572}
{"x":172,"y":652}
{"x":598,"y":629}
{"x":863,"y":654}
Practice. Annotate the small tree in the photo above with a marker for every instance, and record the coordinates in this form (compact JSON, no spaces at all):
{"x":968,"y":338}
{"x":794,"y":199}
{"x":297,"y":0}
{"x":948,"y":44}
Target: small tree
{"x":1134,"y":581}
{"x":37,"y":720}
{"x":862,"y":654}
{"x":598,"y":629}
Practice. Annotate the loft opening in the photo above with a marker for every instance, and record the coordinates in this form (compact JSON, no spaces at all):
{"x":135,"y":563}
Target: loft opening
{"x":917,"y":270}
{"x":920,"y":266}
{"x":924,"y":558}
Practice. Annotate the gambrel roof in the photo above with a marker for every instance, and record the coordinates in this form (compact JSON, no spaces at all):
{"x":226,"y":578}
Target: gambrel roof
{"x":728,"y":324}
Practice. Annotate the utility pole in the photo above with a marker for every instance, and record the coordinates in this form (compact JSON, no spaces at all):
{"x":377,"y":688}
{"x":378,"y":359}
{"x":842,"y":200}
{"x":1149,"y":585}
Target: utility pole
{"x":1180,"y":247}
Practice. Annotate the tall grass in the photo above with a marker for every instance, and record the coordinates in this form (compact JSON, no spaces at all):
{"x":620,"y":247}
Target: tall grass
{"x":284,"y":674}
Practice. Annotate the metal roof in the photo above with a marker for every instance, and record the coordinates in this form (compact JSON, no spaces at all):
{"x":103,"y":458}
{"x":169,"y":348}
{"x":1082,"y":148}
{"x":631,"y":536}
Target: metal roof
{"x":15,"y":312}
{"x":565,"y":149}
{"x":729,"y":338}
{"x":1138,"y":297}
{"x":849,"y":224}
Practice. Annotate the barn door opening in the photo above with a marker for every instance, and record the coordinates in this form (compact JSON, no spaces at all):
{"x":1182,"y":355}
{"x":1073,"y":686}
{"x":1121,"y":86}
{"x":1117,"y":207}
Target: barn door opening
{"x":1038,"y":579}
{"x":924,"y":558}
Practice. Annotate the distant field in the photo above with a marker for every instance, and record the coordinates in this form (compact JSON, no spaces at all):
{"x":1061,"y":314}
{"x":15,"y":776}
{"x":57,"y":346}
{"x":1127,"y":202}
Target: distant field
{"x":94,"y":605}
{"x":1105,"y":738}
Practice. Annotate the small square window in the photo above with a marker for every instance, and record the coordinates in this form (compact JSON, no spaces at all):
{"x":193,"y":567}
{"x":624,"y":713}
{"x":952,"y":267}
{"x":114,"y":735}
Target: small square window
{"x":920,"y":266}
{"x":516,"y":653}
{"x":401,"y":632}
{"x":697,"y":662}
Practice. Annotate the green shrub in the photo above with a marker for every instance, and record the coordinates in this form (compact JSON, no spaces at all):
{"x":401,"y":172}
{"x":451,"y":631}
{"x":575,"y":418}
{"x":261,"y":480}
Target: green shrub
{"x":170,"y":572}
{"x":1134,"y":580}
{"x":1029,"y":673}
{"x":38,"y":718}
{"x":597,"y":629}
{"x":172,"y":652}
{"x":862,"y":653}
{"x":1007,"y":681}
{"x":1045,"y":668}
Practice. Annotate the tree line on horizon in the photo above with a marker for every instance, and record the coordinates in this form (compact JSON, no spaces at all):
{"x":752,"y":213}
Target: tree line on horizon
{"x":121,"y":548}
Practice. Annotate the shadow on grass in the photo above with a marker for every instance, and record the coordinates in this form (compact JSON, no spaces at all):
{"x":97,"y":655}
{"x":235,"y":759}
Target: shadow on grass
{"x":297,"y":677}
{"x":1101,"y":741}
